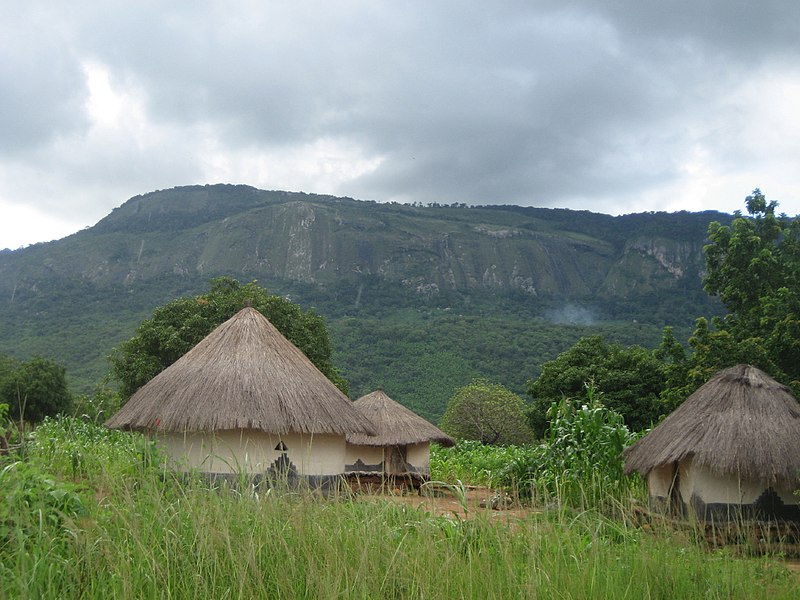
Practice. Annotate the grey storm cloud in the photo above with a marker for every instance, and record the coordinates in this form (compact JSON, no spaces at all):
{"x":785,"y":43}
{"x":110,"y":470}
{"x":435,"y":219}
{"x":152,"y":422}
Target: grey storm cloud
{"x":41,"y":85}
{"x":548,"y":103}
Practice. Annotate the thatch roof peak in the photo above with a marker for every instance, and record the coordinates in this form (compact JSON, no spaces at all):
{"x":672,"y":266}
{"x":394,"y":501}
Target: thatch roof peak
{"x":244,"y":375}
{"x":741,"y":422}
{"x":395,"y":424}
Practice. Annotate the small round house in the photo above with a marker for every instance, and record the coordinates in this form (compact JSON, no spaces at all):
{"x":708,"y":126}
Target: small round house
{"x":400,"y":446}
{"x":247,"y":400}
{"x":731,"y":450}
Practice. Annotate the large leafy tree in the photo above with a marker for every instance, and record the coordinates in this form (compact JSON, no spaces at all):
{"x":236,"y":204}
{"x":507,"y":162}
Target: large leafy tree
{"x":34,"y":389}
{"x":486,"y":412}
{"x":179,"y":325}
{"x":8,"y":365}
{"x":753,"y":266}
{"x":710,"y":351}
{"x":630,"y":380}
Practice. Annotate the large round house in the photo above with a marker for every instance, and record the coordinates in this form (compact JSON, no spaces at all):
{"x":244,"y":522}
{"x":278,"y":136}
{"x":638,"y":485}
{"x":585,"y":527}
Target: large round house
{"x":731,"y":450}
{"x":247,"y":400}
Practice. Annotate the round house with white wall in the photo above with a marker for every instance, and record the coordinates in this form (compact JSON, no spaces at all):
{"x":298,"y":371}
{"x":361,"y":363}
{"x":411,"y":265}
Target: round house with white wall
{"x":729,"y":451}
{"x":400,"y":446}
{"x":245,"y":400}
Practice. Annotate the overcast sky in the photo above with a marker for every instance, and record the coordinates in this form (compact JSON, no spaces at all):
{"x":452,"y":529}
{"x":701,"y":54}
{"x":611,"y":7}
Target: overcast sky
{"x":611,"y":106}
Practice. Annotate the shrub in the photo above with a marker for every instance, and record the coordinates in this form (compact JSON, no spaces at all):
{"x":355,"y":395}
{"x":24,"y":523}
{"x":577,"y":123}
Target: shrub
{"x":486,"y":412}
{"x":580,"y":461}
{"x":36,"y":389}
{"x":34,"y":500}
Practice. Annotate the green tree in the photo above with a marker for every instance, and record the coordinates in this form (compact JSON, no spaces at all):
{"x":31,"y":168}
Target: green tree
{"x":753,"y":266}
{"x":35,"y":389}
{"x":486,"y":412}
{"x":7,"y":365}
{"x":178,"y":326}
{"x":630,"y":380}
{"x":711,"y":350}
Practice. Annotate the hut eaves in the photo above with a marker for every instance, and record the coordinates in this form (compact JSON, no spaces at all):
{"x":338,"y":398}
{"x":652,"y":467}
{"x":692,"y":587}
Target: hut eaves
{"x":741,"y":422}
{"x":244,"y":375}
{"x":395,"y":424}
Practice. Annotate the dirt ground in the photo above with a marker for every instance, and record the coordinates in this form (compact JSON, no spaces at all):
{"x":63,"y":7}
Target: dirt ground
{"x":452,"y":502}
{"x":793,"y":564}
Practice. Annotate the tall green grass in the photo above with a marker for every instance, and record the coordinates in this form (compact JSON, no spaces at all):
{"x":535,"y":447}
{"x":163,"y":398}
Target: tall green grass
{"x":473,"y":462}
{"x":578,"y":463}
{"x":115,"y":524}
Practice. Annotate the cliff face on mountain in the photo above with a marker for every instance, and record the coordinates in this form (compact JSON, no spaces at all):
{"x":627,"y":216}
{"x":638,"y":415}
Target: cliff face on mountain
{"x":459,"y":285}
{"x":202,"y":231}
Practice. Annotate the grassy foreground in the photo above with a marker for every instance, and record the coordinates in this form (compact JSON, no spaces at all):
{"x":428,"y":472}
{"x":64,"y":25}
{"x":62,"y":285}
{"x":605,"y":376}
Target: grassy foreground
{"x":91,"y":514}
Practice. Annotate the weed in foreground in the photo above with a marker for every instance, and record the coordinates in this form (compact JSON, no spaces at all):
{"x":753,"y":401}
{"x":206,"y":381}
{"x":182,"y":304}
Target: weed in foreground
{"x":151,"y":534}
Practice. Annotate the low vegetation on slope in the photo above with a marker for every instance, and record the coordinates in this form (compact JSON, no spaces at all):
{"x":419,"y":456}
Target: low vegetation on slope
{"x":522,"y":284}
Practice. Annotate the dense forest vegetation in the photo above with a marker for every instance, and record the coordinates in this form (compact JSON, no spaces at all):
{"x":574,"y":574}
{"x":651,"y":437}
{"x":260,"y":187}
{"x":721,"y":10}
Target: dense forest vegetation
{"x":418,"y":300}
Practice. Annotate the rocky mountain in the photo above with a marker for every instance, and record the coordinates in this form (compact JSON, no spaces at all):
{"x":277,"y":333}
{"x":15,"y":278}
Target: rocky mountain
{"x":322,"y":240}
{"x":77,"y":297}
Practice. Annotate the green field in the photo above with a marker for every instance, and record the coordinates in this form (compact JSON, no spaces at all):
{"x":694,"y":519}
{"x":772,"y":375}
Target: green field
{"x":91,"y":513}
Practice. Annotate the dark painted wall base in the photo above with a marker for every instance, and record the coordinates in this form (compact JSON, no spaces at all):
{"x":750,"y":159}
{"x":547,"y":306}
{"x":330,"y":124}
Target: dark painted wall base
{"x":376,"y":481}
{"x":325,"y":484}
{"x":361,"y":467}
{"x":768,"y":507}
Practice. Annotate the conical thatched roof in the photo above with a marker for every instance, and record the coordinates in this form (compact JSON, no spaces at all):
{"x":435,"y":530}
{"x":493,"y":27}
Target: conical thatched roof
{"x":395,"y":424}
{"x":243,"y":375}
{"x":741,"y":422}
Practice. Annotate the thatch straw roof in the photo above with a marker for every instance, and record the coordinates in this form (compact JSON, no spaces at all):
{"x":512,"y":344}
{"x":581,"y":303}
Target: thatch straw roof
{"x":243,"y":375}
{"x":395,"y":424}
{"x":741,"y":422}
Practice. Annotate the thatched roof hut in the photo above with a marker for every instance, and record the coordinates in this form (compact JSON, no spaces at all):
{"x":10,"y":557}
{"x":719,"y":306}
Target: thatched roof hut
{"x":245,"y":398}
{"x":395,"y":425}
{"x":735,"y":441}
{"x":400,"y":445}
{"x":244,"y":375}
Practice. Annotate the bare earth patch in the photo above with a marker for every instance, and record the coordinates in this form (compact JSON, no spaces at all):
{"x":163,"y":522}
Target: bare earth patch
{"x":454,"y":502}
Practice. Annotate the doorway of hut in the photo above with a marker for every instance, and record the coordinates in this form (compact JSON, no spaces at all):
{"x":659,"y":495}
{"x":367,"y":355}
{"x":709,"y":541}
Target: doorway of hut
{"x":675,"y":499}
{"x":395,"y":461}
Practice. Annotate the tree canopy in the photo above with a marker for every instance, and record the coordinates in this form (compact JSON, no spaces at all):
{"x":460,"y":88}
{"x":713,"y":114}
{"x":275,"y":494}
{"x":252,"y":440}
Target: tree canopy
{"x":486,"y":412}
{"x":630,"y":380}
{"x":178,"y":326}
{"x":33,"y":389}
{"x":753,"y":266}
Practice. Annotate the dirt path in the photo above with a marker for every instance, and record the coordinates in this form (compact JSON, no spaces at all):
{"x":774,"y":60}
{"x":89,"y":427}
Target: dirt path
{"x":441,"y":501}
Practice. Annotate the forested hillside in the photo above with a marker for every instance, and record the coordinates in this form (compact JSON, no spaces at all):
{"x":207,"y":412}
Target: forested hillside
{"x":418,"y":299}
